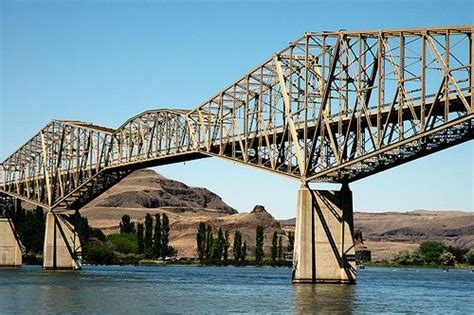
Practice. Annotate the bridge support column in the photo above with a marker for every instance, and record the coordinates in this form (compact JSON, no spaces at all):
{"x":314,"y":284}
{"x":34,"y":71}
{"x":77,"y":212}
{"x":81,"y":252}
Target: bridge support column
{"x":324,"y":244}
{"x":10,"y":245}
{"x":62,"y":247}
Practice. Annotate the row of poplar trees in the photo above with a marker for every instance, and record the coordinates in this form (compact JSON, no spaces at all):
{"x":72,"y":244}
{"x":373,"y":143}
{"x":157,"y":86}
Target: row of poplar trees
{"x":277,"y":246}
{"x":210,"y":248}
{"x":153,"y":239}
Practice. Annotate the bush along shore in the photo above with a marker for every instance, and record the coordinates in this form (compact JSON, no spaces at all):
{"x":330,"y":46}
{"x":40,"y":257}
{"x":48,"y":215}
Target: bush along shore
{"x":432,"y":254}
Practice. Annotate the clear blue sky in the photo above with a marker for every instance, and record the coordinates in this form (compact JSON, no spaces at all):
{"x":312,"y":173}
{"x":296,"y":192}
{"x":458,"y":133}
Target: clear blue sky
{"x":104,"y":61}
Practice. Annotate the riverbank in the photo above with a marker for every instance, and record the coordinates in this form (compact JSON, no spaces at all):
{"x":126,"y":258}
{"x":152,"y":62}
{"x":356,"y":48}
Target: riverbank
{"x":388,"y":265}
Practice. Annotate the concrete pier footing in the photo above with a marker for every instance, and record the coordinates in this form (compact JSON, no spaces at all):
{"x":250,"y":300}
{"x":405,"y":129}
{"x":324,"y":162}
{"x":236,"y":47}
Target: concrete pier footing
{"x":10,"y":245}
{"x":324,"y":244}
{"x":62,"y":247}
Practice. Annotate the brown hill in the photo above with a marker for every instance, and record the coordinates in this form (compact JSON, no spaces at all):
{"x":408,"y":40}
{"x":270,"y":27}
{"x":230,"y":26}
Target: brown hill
{"x":145,"y":191}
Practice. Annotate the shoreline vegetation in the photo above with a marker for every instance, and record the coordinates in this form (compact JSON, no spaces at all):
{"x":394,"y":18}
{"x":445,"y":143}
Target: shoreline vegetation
{"x":385,"y":264}
{"x":433,"y":254}
{"x":147,"y":243}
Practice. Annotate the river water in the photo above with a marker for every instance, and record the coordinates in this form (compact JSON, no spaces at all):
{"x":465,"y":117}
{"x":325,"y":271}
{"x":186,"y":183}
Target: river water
{"x":194,"y":289}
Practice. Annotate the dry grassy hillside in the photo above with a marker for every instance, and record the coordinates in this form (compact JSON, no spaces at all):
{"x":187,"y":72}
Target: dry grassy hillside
{"x":145,"y":191}
{"x":389,"y":232}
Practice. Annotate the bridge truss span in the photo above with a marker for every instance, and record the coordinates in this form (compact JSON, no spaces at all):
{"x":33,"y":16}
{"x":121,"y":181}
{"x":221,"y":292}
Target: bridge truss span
{"x":332,"y":98}
{"x":329,"y":107}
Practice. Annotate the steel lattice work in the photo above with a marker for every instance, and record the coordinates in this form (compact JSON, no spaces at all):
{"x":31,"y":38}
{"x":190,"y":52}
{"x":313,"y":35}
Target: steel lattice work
{"x":331,"y":107}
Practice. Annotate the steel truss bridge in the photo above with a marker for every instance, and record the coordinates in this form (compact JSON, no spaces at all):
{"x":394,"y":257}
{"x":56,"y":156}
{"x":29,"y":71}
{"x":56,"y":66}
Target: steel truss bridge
{"x":329,"y":107}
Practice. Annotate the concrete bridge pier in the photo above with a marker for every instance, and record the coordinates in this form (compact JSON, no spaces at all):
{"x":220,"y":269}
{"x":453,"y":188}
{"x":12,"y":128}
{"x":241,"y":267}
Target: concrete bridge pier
{"x":62,"y":247}
{"x":324,"y":244}
{"x":10,"y":245}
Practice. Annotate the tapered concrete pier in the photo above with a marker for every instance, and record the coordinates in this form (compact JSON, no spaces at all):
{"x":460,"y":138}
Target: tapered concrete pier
{"x":10,"y":245}
{"x":62,"y":247}
{"x":324,"y":243}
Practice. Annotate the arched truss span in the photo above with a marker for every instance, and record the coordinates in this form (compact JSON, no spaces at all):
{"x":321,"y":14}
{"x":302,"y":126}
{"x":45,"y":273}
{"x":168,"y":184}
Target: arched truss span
{"x":331,"y":107}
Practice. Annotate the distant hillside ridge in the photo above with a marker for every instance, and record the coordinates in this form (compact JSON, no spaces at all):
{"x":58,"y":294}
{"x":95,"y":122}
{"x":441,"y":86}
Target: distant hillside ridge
{"x":390,"y":231}
{"x":145,"y":191}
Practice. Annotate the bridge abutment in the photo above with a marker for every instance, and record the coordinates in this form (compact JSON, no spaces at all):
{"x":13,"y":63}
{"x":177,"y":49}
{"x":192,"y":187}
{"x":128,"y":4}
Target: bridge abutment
{"x":62,"y":247}
{"x":324,"y":244}
{"x":10,"y":245}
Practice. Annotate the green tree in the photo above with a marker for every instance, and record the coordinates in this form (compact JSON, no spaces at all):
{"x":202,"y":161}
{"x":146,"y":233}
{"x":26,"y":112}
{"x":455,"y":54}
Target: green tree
{"x":259,"y":245}
{"x":201,"y":241}
{"x":140,"y":240}
{"x":165,"y":237}
{"x":220,"y":243}
{"x":431,"y":251}
{"x":35,"y":226}
{"x":470,"y":257}
{"x":126,"y":226}
{"x":280,"y":247}
{"x":30,"y":226}
{"x":225,"y":253}
{"x":274,"y":249}
{"x":87,"y":234}
{"x":126,"y":243}
{"x":100,"y":254}
{"x":209,"y":241}
{"x":214,"y":253}
{"x":81,"y":226}
{"x":237,"y":247}
{"x":244,"y":253}
{"x":148,"y":241}
{"x":97,"y":234}
{"x":291,"y":242}
{"x":157,"y":237}
{"x":447,"y":259}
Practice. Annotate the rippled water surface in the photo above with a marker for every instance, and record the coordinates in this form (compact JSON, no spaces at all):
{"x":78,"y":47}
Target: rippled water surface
{"x":193,"y":289}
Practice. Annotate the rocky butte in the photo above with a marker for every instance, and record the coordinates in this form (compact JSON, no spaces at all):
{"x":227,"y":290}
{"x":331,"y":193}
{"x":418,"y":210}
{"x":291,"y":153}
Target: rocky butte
{"x":145,"y":191}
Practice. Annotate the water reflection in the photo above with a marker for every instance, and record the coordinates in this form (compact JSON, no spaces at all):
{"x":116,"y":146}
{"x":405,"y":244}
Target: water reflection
{"x":323,"y":298}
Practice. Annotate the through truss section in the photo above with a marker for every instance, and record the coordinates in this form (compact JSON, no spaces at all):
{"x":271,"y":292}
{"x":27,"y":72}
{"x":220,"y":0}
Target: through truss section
{"x":329,"y":107}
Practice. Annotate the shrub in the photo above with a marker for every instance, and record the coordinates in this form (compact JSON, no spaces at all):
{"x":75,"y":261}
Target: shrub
{"x":447,"y":259}
{"x":431,"y":251}
{"x":124,"y":243}
{"x":470,"y":257}
{"x":458,"y":252}
{"x":406,"y":258}
{"x":100,"y":255}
